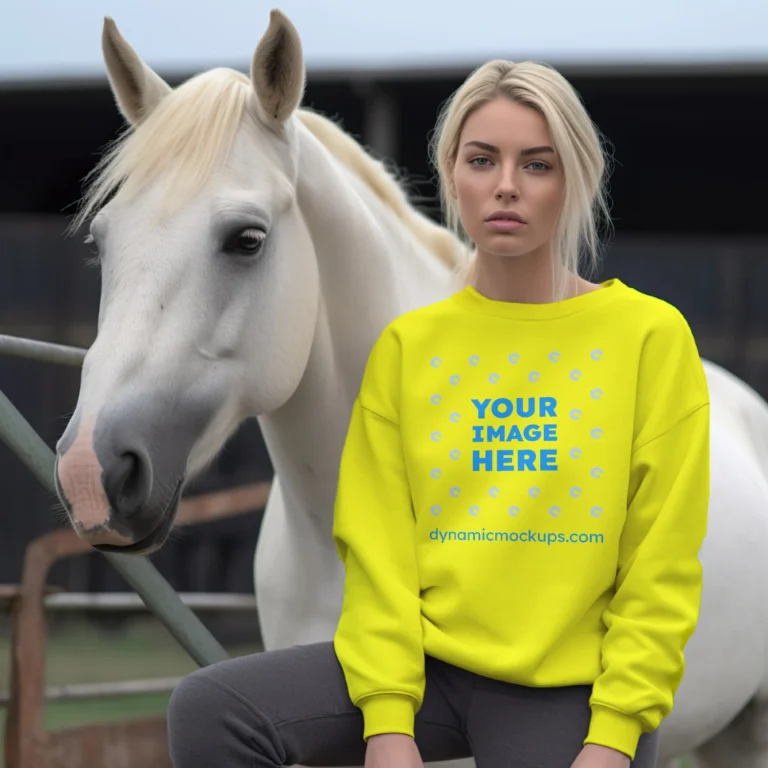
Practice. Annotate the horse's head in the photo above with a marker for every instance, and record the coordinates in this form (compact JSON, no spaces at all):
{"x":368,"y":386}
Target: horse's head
{"x":209,"y":290}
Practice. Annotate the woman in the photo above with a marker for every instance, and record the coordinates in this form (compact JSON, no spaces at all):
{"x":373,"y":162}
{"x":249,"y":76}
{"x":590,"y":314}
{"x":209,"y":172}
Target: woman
{"x":522,"y":494}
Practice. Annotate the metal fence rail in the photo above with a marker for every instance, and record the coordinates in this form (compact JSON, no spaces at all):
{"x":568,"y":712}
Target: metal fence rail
{"x":116,"y":602}
{"x":31,"y":349}
{"x":89,"y":691}
{"x":156,"y":593}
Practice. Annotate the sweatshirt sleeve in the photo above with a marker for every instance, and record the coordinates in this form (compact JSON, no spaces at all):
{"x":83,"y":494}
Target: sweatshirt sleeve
{"x":655,"y":607}
{"x":378,"y":639}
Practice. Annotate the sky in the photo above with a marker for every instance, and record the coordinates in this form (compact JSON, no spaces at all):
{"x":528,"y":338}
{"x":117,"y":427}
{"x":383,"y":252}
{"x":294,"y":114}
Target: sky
{"x":61,"y":38}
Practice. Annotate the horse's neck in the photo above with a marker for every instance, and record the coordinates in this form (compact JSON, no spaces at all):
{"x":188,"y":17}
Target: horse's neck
{"x":372,"y":269}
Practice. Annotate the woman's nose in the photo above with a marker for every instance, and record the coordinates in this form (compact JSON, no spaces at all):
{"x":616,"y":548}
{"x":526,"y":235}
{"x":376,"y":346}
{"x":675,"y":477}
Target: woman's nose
{"x":507,"y":187}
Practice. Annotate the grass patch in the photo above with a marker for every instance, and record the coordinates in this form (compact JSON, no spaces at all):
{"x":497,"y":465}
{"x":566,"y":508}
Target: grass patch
{"x":60,"y":715}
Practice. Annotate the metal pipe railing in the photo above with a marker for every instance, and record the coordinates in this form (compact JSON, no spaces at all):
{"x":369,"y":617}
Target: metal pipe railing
{"x":90,"y":691}
{"x":156,"y":593}
{"x":45,"y":352}
{"x":113,"y":602}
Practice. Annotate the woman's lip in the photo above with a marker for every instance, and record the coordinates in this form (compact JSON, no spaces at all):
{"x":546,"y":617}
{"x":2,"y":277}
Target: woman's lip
{"x":505,"y":225}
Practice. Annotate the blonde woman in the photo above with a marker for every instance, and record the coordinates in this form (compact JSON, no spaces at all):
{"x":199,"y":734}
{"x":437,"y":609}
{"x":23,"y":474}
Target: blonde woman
{"x":522,"y":495}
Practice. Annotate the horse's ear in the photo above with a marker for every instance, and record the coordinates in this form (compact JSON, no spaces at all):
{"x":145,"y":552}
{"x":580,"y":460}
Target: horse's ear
{"x":277,"y":69}
{"x":136,"y":87}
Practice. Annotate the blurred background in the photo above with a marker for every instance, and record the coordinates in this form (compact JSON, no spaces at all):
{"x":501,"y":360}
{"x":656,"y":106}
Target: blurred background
{"x":679,"y":89}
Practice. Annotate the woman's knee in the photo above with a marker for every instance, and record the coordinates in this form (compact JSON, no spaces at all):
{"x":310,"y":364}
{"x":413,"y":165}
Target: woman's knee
{"x":192,"y":702}
{"x":210,"y":723}
{"x":239,"y":708}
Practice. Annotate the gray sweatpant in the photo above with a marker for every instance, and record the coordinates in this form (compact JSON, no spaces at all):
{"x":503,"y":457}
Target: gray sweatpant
{"x":291,"y":706}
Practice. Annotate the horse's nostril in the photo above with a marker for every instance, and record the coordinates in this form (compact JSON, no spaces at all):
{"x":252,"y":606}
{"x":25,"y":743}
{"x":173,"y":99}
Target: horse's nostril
{"x":132,"y":474}
{"x":128,"y":482}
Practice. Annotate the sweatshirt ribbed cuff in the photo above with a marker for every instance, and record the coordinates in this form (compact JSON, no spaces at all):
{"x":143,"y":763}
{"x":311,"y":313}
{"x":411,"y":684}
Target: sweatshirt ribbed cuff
{"x":388,"y":713}
{"x":610,"y":728}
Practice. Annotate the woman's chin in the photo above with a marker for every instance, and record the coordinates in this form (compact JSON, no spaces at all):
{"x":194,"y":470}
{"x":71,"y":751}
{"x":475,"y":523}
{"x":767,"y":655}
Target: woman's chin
{"x":505,"y":250}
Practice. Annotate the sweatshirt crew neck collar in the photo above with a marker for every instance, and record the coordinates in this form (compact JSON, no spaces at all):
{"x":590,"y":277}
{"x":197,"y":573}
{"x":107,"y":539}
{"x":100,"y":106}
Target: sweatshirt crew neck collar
{"x":470,"y":299}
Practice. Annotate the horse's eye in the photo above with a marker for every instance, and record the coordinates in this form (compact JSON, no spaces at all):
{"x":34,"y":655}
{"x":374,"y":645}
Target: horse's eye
{"x":247,"y":242}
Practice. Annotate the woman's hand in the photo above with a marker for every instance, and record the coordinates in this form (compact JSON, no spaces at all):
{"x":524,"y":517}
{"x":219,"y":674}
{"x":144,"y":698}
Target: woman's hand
{"x":393,"y":750}
{"x":595,"y":756}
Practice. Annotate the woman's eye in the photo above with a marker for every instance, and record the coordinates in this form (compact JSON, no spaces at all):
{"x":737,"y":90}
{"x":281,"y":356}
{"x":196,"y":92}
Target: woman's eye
{"x":249,"y":241}
{"x":542,"y":166}
{"x":474,"y":160}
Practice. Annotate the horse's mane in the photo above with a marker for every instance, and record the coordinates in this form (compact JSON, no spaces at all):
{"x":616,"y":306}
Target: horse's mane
{"x":375,"y":174}
{"x":193,"y":128}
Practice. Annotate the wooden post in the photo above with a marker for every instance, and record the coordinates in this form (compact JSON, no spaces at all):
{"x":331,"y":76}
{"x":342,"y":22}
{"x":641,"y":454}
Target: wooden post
{"x":25,"y":737}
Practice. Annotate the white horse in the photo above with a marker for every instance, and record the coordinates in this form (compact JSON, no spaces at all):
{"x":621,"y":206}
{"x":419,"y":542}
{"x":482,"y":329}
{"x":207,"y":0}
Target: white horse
{"x":251,"y":253}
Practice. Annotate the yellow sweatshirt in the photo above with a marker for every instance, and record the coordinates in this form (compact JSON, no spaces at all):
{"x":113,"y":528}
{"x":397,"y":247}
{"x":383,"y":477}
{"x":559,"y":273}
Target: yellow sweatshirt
{"x":523,"y":493}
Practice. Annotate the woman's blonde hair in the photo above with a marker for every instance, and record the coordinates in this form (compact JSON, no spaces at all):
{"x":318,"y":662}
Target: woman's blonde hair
{"x":577,"y":141}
